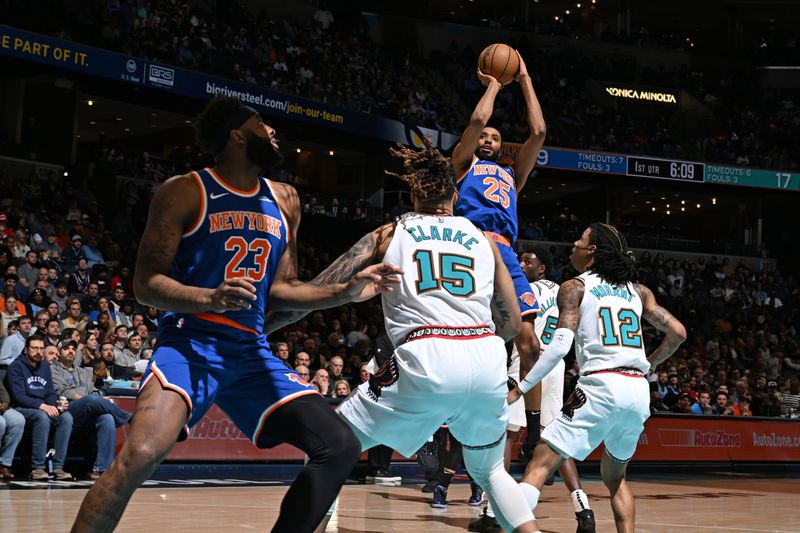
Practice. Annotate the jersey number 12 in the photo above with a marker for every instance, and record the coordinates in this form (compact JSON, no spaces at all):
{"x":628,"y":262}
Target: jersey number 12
{"x":626,"y":323}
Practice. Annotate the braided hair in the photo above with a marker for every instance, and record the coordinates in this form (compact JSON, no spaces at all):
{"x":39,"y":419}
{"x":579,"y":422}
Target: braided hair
{"x":429,"y":173}
{"x":613,"y":261}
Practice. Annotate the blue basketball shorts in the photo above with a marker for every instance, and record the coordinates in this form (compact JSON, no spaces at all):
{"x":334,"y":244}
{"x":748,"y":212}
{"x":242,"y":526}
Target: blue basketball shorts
{"x":527,"y":300}
{"x":219,"y":364}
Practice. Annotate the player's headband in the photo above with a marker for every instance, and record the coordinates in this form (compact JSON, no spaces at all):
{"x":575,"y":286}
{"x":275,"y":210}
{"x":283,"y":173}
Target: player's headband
{"x":237,"y":118}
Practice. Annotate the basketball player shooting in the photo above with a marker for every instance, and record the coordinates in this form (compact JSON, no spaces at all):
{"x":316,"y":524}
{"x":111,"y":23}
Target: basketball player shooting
{"x":218,"y":250}
{"x":487,"y":196}
{"x":601,"y":310}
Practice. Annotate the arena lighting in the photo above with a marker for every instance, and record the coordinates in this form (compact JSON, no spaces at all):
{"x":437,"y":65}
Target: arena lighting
{"x":298,"y":150}
{"x":668,"y":212}
{"x":653,"y":209}
{"x":556,"y":17}
{"x":697,"y":206}
{"x":667,"y":206}
{"x":713,"y":201}
{"x":118,"y":119}
{"x":683,"y":209}
{"x":66,"y":173}
{"x":90,"y":103}
{"x":331,"y":152}
{"x":578,"y":6}
{"x":567,"y":12}
{"x":683,"y":202}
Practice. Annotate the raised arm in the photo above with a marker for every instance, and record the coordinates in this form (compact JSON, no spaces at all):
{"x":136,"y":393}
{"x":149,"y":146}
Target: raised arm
{"x":173,"y":210}
{"x":526,"y":159}
{"x":288,"y":293}
{"x":365,"y":252}
{"x":465,"y":150}
{"x":505,"y":308}
{"x":662,"y":320}
{"x":570,"y":295}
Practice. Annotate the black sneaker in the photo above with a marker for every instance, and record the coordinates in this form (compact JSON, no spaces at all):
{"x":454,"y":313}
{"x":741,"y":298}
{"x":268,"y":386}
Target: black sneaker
{"x":439,"y":497}
{"x":484,"y":524}
{"x":585,"y":521}
{"x":428,"y":457}
{"x":476,"y":498}
{"x":429,"y":486}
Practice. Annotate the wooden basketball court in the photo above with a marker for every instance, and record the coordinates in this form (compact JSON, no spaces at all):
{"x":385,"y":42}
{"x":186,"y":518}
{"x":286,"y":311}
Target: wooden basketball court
{"x":708,"y":504}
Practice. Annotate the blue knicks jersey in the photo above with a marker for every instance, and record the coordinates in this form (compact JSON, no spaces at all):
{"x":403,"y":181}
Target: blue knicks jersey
{"x":237,"y":233}
{"x":488,"y":198}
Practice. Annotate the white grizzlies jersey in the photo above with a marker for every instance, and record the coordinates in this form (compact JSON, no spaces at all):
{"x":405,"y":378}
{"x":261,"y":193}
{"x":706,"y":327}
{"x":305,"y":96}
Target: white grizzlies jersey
{"x":546,"y":293}
{"x":449,"y":275}
{"x":609,"y":333}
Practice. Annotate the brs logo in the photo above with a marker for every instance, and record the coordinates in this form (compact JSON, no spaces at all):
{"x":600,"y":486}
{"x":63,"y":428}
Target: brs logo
{"x":528,"y":299}
{"x":296,"y":378}
{"x":161,"y":75}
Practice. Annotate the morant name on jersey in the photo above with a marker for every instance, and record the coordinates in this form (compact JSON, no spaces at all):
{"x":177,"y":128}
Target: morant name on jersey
{"x":604,"y":290}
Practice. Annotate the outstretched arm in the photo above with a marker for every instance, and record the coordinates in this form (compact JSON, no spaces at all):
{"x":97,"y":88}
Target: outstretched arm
{"x":570,"y":295}
{"x":465,"y":150}
{"x":505,"y":308}
{"x":291,"y":299}
{"x":526,"y":159}
{"x":662,"y":320}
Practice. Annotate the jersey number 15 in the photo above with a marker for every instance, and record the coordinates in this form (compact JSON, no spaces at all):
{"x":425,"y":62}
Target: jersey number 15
{"x":456,"y":273}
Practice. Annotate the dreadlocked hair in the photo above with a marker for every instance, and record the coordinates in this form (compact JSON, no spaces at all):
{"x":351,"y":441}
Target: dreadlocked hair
{"x":427,"y":172}
{"x":613,"y":261}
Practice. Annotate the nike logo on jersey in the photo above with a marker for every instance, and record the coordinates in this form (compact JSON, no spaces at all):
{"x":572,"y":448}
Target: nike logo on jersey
{"x":220,"y":195}
{"x":266,"y":199}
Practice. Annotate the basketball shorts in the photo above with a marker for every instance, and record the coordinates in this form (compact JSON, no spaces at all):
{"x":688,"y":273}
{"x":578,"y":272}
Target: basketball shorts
{"x":516,"y":411}
{"x":527,"y":300}
{"x":207,"y":363}
{"x":552,"y":394}
{"x":428,"y":380}
{"x":605,"y":407}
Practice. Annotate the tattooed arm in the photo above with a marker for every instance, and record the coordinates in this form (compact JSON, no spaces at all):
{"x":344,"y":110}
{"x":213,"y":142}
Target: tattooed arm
{"x":505,"y":308}
{"x":662,"y":320}
{"x":570,"y":295}
{"x":173,"y":210}
{"x":368,"y":250}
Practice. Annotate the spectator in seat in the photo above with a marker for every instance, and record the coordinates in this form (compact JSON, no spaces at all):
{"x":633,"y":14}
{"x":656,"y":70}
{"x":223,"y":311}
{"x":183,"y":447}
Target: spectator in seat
{"x":74,"y":313}
{"x":282,"y":351}
{"x":11,"y":310}
{"x":73,"y":254}
{"x":303,"y":372}
{"x":12,"y":425}
{"x":61,"y":295}
{"x":683,"y":405}
{"x":742,"y":408}
{"x":80,"y":279}
{"x":321,"y":382}
{"x":703,"y":405}
{"x":91,"y":413}
{"x":335,"y":368}
{"x":341,"y":389}
{"x":29,"y":272}
{"x":89,"y":302}
{"x":30,"y":385}
{"x":721,"y":406}
{"x":14,"y":344}
{"x":52,"y":332}
{"x":37,"y":302}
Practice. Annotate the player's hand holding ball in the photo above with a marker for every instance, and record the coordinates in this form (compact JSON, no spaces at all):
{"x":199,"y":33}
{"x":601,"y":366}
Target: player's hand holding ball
{"x":523,"y":70}
{"x":499,"y":62}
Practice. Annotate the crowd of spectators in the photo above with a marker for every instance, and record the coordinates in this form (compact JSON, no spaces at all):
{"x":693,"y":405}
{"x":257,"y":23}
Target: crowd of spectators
{"x":337,"y":62}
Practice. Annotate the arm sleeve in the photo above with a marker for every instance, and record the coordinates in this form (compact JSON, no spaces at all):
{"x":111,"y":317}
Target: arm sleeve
{"x":555,"y":351}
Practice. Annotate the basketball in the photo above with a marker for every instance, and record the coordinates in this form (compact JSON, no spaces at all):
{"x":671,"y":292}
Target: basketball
{"x":499,"y":61}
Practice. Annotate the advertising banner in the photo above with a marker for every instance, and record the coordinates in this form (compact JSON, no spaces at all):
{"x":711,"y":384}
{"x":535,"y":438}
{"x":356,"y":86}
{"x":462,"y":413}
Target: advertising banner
{"x":665,"y":438}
